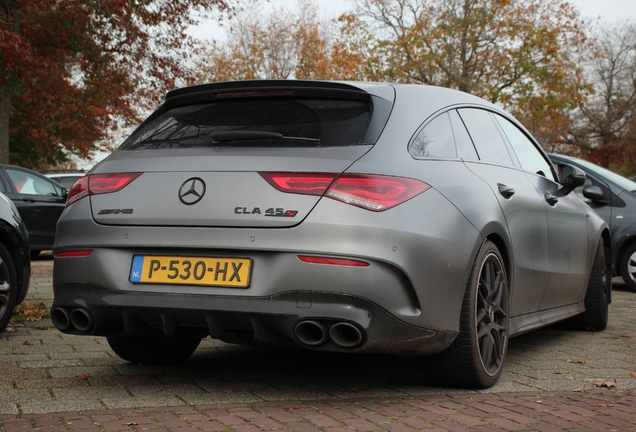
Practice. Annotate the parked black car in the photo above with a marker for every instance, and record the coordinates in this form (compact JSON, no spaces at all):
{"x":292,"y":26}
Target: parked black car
{"x":39,"y":200}
{"x":15,"y":260}
{"x":613,"y":197}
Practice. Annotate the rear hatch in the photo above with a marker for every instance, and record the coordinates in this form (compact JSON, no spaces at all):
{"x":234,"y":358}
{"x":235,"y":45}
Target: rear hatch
{"x":246,"y":154}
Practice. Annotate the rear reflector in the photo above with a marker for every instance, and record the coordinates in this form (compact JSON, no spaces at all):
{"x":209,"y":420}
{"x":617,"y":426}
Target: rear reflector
{"x":368,"y":191}
{"x":332,"y":261}
{"x":96,"y":184}
{"x":73,"y":254}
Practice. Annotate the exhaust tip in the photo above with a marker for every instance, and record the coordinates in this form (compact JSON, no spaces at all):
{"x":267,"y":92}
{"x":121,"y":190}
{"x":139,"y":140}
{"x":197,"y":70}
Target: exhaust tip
{"x":61,"y":318}
{"x":311,"y":333}
{"x":82,"y":320}
{"x":345,"y":335}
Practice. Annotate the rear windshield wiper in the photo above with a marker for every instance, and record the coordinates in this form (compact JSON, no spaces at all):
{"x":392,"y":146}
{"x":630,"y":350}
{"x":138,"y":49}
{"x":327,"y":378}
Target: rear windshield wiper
{"x":239,"y":135}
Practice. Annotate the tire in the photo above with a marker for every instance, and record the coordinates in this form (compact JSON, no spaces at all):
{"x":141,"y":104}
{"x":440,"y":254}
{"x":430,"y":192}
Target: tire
{"x":597,"y":295}
{"x":149,"y":349}
{"x":628,"y":267}
{"x":476,"y":357}
{"x":8,"y":287}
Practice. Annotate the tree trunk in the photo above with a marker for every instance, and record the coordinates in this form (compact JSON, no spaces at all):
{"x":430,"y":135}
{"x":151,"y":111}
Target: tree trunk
{"x":5,"y":115}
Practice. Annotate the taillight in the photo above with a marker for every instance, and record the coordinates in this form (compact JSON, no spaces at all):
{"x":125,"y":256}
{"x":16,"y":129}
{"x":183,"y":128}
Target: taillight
{"x":78,"y":191}
{"x":368,"y":191}
{"x":96,"y":184}
{"x":300,"y":183}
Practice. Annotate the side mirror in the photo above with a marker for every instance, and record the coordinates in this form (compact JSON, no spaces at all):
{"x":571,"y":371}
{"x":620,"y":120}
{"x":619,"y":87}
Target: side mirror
{"x":570,"y":178}
{"x":594,"y":194}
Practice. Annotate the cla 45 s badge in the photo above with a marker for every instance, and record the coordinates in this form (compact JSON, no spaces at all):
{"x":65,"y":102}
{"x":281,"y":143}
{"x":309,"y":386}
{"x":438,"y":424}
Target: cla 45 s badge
{"x":274,"y":212}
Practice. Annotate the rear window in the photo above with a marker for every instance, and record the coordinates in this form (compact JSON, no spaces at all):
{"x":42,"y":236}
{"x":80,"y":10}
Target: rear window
{"x":271,"y":122}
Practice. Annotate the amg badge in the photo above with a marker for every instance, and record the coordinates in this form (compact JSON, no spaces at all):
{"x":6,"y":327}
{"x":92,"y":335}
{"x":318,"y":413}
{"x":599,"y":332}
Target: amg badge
{"x":115,"y":211}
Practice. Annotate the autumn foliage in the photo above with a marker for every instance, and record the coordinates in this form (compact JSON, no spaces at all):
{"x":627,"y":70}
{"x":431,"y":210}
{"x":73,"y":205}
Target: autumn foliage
{"x":73,"y":71}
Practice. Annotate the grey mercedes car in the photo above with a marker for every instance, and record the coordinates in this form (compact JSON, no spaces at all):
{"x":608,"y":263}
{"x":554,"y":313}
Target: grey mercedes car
{"x":348,"y":217}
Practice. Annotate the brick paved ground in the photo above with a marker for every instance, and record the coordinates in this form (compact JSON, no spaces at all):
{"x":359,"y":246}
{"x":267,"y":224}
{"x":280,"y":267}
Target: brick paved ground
{"x":554,"y":380}
{"x":564,"y":411}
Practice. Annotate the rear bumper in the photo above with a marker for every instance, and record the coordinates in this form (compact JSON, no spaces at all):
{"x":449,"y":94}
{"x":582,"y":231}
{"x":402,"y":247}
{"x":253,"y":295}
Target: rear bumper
{"x":328,"y":321}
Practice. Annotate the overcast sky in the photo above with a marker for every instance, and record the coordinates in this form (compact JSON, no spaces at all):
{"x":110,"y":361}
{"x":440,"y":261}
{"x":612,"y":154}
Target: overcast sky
{"x":608,"y":10}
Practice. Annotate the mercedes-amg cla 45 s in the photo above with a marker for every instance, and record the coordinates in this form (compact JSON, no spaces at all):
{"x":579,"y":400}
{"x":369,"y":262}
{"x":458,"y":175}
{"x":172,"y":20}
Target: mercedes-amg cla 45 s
{"x":346,"y":217}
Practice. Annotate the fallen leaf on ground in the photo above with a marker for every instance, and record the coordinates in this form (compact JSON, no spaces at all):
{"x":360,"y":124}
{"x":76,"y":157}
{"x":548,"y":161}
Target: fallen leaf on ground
{"x":607,"y":384}
{"x":27,"y":343}
{"x":626,"y":336}
{"x":591,"y":329}
{"x":632,"y":374}
{"x":561,"y":373}
{"x":579,"y":390}
{"x":291,"y":408}
{"x":11,"y":329}
{"x":30,"y":312}
{"x":83,"y":376}
{"x":524,"y":382}
{"x":354,"y":389}
{"x":226,"y":391}
{"x":132,"y":424}
{"x":581,"y":361}
{"x":603,"y":405}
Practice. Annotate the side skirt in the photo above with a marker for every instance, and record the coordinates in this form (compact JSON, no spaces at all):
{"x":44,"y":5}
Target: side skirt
{"x":528,"y":322}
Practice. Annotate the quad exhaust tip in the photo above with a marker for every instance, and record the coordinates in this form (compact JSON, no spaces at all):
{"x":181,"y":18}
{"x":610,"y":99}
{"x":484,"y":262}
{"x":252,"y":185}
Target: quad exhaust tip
{"x":313,"y":333}
{"x":78,"y":319}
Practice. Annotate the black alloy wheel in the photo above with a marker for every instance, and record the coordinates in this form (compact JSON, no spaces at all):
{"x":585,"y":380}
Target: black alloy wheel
{"x":491,"y":317}
{"x":8,"y":287}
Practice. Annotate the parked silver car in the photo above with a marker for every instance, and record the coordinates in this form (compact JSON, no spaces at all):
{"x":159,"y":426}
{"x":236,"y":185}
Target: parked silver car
{"x":350,"y":217}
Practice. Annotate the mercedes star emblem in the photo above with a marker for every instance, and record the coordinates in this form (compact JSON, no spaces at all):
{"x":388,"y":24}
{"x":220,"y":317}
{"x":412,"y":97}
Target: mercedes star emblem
{"x":192,"y":191}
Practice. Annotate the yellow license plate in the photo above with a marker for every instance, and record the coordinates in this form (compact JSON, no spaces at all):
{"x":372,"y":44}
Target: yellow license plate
{"x":177,"y":270}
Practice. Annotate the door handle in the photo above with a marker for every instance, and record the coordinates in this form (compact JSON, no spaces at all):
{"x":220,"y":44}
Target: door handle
{"x":505,"y":191}
{"x":551,"y":199}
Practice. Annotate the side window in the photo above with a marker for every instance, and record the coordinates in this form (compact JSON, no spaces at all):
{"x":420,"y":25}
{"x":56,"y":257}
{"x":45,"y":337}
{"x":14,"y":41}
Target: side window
{"x":488,"y":141}
{"x":28,"y":184}
{"x":465,"y":148}
{"x":529,"y":157}
{"x":435,"y":139}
